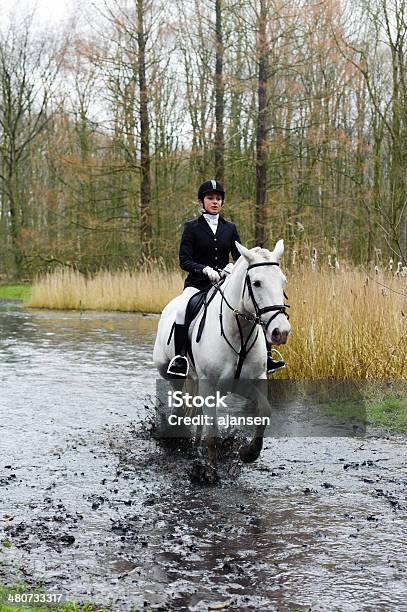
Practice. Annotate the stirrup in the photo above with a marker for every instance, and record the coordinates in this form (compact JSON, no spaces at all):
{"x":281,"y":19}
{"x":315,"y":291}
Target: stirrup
{"x":274,"y":365}
{"x":178,"y":366}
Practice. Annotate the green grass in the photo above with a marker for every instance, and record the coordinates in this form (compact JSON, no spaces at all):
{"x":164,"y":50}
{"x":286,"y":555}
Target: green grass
{"x":390,"y":413}
{"x":6,"y":605}
{"x":372,"y":405}
{"x":8,"y":592}
{"x":15,"y":292}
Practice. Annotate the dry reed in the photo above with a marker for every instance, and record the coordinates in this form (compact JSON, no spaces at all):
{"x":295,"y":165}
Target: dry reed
{"x":144,"y":291}
{"x":345,"y":324}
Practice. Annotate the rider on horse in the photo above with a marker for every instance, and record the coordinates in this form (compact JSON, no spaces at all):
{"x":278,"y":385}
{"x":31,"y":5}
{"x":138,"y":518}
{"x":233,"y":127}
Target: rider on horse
{"x":205,"y":247}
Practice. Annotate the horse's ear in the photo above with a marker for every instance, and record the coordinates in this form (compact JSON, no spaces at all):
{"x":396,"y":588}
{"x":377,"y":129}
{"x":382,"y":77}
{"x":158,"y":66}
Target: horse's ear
{"x":278,"y":250}
{"x":244,"y":252}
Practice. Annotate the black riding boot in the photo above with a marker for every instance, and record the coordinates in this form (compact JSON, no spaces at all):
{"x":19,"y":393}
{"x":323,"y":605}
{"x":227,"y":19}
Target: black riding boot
{"x":272,"y":364}
{"x":179,"y":364}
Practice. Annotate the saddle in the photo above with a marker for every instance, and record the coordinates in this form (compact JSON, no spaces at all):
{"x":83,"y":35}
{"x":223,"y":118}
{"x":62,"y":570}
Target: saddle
{"x":199,"y":300}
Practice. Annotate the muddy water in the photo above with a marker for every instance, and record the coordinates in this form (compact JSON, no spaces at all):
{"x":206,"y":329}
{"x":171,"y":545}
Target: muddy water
{"x":96,"y":510}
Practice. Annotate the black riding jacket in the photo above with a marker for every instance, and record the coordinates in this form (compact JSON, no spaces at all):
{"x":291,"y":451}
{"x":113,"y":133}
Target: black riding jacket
{"x":200,"y":247}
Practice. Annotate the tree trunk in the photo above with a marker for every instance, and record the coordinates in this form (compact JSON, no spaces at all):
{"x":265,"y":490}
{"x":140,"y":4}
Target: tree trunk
{"x":146,"y":230}
{"x":219,"y":95}
{"x":260,"y":233}
{"x":15,"y":229}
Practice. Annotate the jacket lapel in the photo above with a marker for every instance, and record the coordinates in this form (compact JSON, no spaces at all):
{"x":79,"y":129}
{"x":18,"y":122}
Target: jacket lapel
{"x":221,"y":226}
{"x":205,"y":226}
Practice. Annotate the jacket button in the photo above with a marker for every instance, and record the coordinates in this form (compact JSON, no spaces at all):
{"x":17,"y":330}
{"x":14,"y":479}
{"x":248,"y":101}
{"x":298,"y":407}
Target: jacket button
{"x":216,"y":248}
{"x":215,"y":239}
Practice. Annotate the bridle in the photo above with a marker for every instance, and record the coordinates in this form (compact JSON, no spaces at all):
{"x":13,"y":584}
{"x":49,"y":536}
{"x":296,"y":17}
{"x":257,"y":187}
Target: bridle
{"x":278,"y":308}
{"x":256,"y":319}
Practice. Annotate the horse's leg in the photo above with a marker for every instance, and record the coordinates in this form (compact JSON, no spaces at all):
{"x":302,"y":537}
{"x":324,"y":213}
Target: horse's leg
{"x":193,"y":389}
{"x":213,"y":450}
{"x":167,"y":429}
{"x":198,"y":434}
{"x":250,"y":452}
{"x":206,"y":388}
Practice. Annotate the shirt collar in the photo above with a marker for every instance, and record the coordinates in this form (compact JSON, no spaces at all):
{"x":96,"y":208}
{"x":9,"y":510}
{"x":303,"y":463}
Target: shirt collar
{"x":212,"y":219}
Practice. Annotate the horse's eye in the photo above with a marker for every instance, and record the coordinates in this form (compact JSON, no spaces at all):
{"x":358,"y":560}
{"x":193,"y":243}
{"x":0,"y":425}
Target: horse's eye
{"x":257,"y":284}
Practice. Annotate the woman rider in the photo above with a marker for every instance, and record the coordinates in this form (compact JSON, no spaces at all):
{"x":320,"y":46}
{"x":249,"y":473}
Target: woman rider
{"x":205,"y":247}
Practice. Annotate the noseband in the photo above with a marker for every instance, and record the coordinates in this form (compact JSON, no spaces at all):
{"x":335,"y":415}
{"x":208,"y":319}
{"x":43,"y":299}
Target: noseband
{"x":255,"y":319}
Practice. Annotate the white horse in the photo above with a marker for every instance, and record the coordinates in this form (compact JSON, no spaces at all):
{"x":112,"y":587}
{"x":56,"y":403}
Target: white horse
{"x":232,"y":345}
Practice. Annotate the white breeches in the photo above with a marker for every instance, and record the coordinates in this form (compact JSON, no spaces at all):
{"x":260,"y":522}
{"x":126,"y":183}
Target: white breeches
{"x":186,"y":295}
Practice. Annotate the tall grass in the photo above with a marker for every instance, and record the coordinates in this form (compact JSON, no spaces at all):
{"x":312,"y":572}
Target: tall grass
{"x":345,"y":324}
{"x":144,"y":291}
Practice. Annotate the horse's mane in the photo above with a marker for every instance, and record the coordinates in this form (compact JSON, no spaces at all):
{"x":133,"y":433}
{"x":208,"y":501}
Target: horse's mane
{"x":264,"y":255}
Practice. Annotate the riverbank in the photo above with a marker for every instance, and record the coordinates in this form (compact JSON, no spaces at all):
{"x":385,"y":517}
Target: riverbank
{"x":385,"y":399}
{"x":347,"y":324}
{"x":17,"y":291}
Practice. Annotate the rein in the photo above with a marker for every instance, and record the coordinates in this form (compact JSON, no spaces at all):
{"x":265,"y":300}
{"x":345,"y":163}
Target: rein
{"x":255,"y":319}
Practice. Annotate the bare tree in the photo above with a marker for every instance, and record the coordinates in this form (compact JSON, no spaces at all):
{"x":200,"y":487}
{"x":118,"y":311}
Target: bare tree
{"x":146,"y":230}
{"x":28,"y":71}
{"x":219,"y":95}
{"x":379,"y":52}
{"x":260,"y":234}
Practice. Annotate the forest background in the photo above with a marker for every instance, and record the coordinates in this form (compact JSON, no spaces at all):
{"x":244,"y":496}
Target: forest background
{"x":109,"y":123}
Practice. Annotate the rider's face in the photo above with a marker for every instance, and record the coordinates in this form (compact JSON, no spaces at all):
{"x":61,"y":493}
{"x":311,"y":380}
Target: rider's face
{"x":212,"y":202}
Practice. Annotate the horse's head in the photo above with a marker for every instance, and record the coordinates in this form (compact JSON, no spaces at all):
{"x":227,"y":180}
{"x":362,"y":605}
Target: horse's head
{"x":263,"y":290}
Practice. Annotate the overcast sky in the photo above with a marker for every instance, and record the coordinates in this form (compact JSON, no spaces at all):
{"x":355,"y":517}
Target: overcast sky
{"x":49,"y":12}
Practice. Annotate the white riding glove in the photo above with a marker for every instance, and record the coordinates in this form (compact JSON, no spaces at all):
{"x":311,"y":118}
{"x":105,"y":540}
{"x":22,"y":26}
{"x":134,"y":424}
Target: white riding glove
{"x":213,"y":276}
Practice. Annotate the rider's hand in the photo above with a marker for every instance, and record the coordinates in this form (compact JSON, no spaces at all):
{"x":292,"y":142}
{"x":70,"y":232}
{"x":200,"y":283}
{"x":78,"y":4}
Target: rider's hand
{"x":213,"y":276}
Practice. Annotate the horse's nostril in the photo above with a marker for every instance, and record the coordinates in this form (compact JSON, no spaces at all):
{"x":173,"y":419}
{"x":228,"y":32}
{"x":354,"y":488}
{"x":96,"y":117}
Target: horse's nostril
{"x":275,"y":332}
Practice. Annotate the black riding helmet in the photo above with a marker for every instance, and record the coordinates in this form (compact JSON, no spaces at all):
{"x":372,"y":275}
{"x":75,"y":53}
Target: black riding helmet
{"x":209,"y":186}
